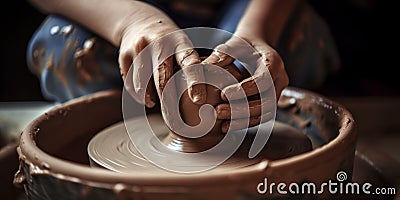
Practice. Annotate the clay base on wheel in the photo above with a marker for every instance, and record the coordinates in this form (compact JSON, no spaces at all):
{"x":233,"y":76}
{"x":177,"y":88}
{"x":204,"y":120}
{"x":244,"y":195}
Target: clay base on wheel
{"x":113,"y":149}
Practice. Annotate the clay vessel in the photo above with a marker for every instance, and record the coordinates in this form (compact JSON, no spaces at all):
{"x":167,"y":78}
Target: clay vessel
{"x":54,"y":163}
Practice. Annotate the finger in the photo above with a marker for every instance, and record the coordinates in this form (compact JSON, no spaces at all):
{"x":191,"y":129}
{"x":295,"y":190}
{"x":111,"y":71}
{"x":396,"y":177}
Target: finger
{"x":148,"y":98}
{"x":143,"y":85}
{"x":142,"y":74}
{"x":127,"y":67}
{"x":239,"y":124}
{"x":234,"y":71}
{"x":239,"y":110}
{"x":125,"y":62}
{"x":170,"y":104}
{"x":163,"y":74}
{"x":280,"y":84}
{"x":150,"y":95}
{"x":252,"y":64}
{"x":234,"y":49}
{"x":273,"y":61}
{"x":260,"y":82}
{"x":126,"y":55}
{"x":194,"y":75}
{"x":219,"y":58}
{"x":186,"y":56}
{"x":225,"y":61}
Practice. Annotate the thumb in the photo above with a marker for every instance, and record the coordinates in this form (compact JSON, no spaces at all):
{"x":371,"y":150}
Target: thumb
{"x":235,"y":48}
{"x":219,"y":56}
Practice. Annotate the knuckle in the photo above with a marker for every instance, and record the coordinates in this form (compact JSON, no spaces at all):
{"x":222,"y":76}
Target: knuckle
{"x":140,"y":44}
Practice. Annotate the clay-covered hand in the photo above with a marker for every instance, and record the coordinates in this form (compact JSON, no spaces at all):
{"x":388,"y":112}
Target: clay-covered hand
{"x":131,"y":26}
{"x":265,"y":72}
{"x":150,"y":38}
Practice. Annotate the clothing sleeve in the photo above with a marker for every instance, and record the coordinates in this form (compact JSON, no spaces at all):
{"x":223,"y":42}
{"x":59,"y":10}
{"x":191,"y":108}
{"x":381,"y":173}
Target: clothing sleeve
{"x":70,"y":61}
{"x":306,"y":44}
{"x":308,"y":48}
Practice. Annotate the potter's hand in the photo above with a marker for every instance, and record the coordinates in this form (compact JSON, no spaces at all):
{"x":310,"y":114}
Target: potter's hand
{"x":153,"y":30}
{"x":131,"y":26}
{"x":267,"y":64}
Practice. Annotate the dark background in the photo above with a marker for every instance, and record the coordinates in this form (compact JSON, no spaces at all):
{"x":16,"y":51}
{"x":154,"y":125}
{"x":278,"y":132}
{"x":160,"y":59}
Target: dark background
{"x":363,"y":29}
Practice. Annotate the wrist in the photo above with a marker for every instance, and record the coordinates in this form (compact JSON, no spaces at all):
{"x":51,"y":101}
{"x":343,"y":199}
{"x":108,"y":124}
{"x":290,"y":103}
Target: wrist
{"x":266,"y":19}
{"x":249,"y":36}
{"x":144,"y":20}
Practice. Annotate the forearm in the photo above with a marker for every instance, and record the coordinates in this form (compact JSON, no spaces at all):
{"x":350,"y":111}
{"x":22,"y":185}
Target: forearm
{"x":107,"y":18}
{"x":266,"y":19}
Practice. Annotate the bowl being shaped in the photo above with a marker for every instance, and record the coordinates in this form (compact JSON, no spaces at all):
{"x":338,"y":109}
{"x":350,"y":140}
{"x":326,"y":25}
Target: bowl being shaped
{"x":54,"y":163}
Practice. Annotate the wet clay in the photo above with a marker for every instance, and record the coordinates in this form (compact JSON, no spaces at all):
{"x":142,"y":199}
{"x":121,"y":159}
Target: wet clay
{"x":189,"y":111}
{"x":113,"y":149}
{"x":189,"y":114}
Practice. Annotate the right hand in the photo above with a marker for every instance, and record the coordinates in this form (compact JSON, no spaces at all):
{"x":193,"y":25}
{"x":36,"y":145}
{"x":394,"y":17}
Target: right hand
{"x":143,"y":27}
{"x":267,"y":73}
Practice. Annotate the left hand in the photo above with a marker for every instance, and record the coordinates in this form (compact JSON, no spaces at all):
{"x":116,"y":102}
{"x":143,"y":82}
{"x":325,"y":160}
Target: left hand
{"x":268,"y":64}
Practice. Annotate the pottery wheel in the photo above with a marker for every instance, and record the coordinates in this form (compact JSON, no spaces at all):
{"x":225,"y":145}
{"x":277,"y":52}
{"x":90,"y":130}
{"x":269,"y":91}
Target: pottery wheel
{"x":112,"y":148}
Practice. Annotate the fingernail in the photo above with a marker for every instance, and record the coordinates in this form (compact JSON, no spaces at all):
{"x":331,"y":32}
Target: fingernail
{"x":190,"y":57}
{"x":198,"y":99}
{"x":197,"y":94}
{"x":223,"y":96}
{"x":214,"y":58}
{"x":222,"y":113}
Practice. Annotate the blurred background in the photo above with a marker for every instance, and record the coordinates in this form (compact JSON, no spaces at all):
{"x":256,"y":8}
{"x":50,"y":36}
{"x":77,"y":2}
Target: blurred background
{"x":363,"y":30}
